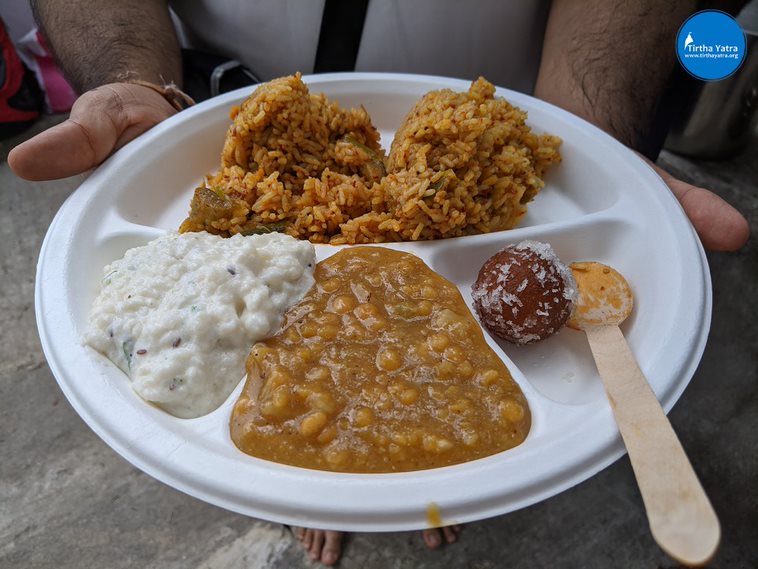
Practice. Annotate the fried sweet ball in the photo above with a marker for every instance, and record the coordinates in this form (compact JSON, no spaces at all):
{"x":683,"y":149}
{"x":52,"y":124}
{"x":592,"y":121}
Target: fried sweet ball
{"x":524,"y":293}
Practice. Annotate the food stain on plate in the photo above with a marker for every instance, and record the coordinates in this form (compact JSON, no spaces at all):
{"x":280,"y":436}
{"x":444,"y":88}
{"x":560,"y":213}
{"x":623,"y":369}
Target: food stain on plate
{"x":434,"y":516}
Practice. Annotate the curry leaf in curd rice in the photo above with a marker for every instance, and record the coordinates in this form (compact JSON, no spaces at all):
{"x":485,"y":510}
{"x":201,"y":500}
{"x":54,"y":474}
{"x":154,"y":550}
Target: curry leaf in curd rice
{"x":179,"y":315}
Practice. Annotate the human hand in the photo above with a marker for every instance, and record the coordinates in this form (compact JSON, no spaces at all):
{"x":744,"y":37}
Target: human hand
{"x":720,"y":226}
{"x":101,"y":121}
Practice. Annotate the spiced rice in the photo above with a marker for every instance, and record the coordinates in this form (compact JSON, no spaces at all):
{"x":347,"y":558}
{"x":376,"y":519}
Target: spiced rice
{"x":460,"y":163}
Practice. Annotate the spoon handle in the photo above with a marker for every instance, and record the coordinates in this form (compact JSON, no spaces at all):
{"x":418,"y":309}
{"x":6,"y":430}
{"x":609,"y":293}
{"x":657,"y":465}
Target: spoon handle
{"x":681,"y":517}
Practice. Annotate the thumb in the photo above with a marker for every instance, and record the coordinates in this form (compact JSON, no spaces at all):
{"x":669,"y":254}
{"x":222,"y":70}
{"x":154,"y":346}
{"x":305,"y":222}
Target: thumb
{"x":101,"y":122}
{"x":719,"y":225}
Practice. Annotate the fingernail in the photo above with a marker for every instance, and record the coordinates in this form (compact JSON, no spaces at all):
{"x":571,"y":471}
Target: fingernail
{"x":329,"y":557}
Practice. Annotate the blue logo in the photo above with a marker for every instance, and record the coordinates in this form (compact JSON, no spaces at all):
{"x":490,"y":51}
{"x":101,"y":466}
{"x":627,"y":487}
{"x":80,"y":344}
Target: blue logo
{"x":710,"y":45}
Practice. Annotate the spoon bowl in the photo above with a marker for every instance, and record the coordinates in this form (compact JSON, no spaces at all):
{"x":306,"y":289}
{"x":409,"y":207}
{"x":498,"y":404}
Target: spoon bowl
{"x":605,"y":298}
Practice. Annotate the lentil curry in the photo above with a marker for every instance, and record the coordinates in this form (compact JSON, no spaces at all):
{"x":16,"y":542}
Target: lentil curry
{"x":380,"y":368}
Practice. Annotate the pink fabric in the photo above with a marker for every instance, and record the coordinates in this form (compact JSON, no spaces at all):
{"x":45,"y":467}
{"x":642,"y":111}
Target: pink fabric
{"x":59,"y":95}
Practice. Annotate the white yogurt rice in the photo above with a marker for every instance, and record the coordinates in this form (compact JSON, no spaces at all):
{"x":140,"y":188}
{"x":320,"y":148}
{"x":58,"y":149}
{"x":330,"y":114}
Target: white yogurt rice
{"x":179,"y":315}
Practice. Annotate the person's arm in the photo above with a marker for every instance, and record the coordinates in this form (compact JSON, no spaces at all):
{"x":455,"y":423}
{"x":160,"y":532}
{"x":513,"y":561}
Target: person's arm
{"x":609,"y":62}
{"x":111,"y":41}
{"x":102,"y":47}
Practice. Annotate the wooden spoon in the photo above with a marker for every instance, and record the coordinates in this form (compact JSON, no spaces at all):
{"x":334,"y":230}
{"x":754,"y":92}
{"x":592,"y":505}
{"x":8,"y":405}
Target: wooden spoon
{"x":681,"y":518}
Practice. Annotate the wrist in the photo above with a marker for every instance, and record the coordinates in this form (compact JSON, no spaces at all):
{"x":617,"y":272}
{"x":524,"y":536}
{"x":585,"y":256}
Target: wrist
{"x":173,"y":95}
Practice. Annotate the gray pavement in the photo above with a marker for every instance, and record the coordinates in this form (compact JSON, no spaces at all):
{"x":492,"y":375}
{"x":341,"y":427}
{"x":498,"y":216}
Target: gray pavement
{"x":67,"y":500}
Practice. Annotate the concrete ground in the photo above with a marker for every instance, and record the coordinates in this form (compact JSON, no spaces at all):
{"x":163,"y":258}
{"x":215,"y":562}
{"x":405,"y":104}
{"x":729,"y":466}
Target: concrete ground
{"x":67,"y":500}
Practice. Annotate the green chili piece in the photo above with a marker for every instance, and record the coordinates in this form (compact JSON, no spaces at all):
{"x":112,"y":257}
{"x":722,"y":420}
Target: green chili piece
{"x":354,"y":141}
{"x":264,"y":228}
{"x":220,"y":193}
{"x":128,"y":348}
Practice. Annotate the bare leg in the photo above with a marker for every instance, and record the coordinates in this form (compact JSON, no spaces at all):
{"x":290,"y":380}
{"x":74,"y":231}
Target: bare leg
{"x":321,"y":545}
{"x":434,"y":538}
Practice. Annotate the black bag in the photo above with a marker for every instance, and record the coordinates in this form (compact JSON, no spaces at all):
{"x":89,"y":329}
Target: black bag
{"x":207,"y":75}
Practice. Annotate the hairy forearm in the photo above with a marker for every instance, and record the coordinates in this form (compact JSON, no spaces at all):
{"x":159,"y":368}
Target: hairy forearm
{"x":111,"y":40}
{"x":609,"y":61}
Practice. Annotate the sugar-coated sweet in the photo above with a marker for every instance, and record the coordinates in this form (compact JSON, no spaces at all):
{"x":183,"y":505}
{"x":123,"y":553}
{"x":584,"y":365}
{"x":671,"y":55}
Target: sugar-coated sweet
{"x":524,"y":293}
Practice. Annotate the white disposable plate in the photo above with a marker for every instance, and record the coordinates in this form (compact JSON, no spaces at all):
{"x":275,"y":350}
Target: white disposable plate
{"x":601,"y":203}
